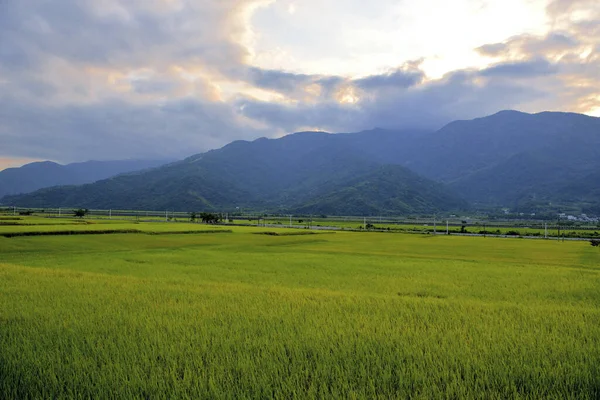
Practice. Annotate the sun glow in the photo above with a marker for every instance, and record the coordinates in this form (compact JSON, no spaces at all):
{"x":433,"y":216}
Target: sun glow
{"x":347,"y":95}
{"x":387,"y":34}
{"x":8,"y":162}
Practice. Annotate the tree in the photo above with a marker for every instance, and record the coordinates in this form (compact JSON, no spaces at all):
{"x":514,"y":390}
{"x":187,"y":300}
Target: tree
{"x":193,"y":216}
{"x":209,"y":218}
{"x":595,"y":242}
{"x":81,"y":212}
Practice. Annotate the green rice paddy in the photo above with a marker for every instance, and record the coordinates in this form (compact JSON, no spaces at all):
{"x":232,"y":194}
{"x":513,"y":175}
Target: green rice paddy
{"x":324,"y":315}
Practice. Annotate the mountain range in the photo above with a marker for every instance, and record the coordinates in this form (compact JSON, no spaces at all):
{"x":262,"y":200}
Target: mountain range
{"x":38,"y":175}
{"x":526,"y":162}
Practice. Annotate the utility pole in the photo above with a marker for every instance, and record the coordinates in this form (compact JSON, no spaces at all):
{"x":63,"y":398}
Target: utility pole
{"x":434,"y":226}
{"x":14,"y":210}
{"x":447,"y":229}
{"x":546,"y":230}
{"x":109,"y":214}
{"x":59,"y":211}
{"x":290,"y":220}
{"x":365,"y":223}
{"x":166,"y":215}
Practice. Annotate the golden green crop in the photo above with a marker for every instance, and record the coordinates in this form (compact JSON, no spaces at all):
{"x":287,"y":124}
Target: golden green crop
{"x":343,"y":315}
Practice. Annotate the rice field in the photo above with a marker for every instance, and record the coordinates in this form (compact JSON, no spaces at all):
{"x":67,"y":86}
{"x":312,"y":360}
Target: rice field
{"x":498,"y":228}
{"x":291,"y":315}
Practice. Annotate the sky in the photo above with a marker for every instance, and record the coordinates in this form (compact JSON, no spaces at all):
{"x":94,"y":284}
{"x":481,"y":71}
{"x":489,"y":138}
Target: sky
{"x":150,"y":79}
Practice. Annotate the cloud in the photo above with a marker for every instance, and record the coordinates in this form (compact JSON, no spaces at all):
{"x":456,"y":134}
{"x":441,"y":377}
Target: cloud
{"x":279,"y":81}
{"x":427,"y":105}
{"x":121,"y":33}
{"x":569,"y":9}
{"x":553,"y":45}
{"x":116,"y":129}
{"x":83,"y":79}
{"x":398,"y":78}
{"x":521,"y":69}
{"x":493,"y":50}
{"x":327,"y":88}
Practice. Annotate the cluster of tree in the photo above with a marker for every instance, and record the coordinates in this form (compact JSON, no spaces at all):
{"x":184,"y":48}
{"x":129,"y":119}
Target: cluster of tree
{"x":81,"y":212}
{"x":207,"y":218}
{"x":595,"y":242}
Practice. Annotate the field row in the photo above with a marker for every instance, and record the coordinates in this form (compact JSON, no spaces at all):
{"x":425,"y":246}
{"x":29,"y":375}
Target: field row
{"x":32,"y":224}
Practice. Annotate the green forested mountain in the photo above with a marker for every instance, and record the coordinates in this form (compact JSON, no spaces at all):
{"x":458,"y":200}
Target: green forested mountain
{"x":388,"y":189}
{"x":309,"y":172}
{"x":464,"y":147}
{"x":509,"y":159}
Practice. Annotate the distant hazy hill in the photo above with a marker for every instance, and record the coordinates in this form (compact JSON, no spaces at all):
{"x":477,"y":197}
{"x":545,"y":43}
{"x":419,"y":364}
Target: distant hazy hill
{"x":511,"y":159}
{"x":37,"y":175}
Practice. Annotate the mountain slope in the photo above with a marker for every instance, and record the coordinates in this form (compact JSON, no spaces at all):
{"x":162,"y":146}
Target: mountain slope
{"x":385,"y":190}
{"x":464,"y":147}
{"x":292,"y":173}
{"x":37,"y":175}
{"x":509,"y":159}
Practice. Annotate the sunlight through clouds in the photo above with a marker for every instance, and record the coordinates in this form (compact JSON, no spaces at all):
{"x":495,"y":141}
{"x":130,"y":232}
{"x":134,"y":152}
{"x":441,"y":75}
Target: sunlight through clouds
{"x":360,"y":42}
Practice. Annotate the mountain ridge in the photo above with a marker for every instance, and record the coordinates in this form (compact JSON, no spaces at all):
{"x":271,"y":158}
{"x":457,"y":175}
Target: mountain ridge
{"x":508,"y":159}
{"x":41,"y":174}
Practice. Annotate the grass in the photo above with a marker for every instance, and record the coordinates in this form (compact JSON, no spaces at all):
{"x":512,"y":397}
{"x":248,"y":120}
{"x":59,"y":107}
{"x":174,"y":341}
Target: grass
{"x":345,"y":315}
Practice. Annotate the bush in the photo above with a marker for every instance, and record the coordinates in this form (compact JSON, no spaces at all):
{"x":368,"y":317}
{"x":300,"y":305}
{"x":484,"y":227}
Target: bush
{"x":595,"y":242}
